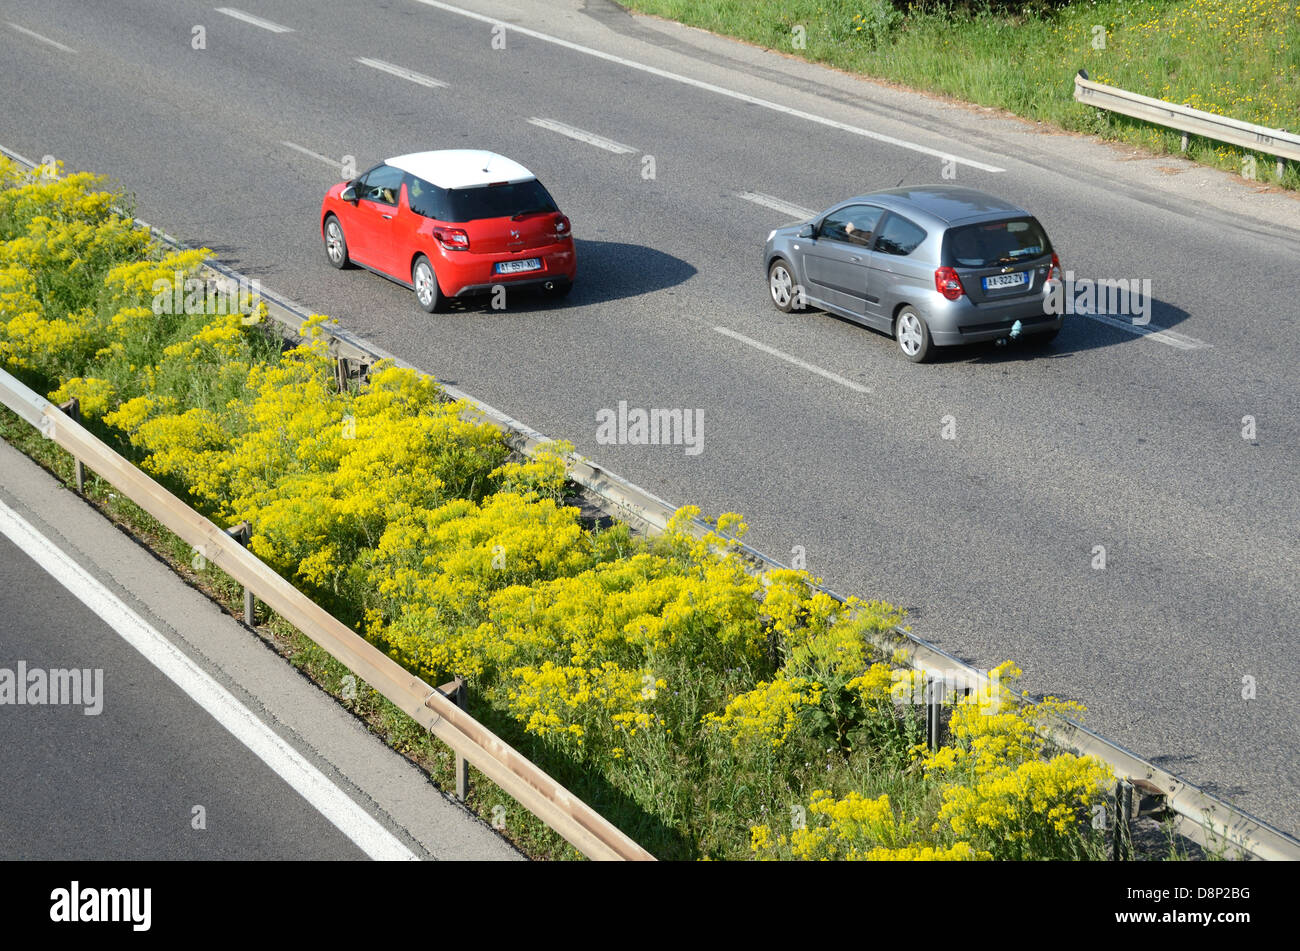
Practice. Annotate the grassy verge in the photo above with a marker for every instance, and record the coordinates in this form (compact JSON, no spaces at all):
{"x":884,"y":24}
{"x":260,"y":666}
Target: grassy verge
{"x":1235,"y":58}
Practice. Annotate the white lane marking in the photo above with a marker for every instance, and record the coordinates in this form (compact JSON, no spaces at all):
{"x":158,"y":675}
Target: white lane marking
{"x":776,"y":204}
{"x":720,"y":90}
{"x":255,"y":21}
{"x":582,"y":135}
{"x":1172,"y":337}
{"x":290,"y":765}
{"x":789,"y":358}
{"x":401,"y":71}
{"x":44,"y":39}
{"x":316,"y":155}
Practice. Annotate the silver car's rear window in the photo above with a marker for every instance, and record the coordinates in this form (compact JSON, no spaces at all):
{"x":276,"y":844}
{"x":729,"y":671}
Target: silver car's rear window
{"x":991,"y":243}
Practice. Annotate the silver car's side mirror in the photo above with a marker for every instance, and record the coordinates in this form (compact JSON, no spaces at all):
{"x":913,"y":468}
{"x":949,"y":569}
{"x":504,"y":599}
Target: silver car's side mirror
{"x":807,"y":231}
{"x":349,"y":193}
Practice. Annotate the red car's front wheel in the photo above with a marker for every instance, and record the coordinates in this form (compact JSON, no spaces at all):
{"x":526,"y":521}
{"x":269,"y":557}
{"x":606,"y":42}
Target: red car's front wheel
{"x":336,"y":246}
{"x":427,"y":291}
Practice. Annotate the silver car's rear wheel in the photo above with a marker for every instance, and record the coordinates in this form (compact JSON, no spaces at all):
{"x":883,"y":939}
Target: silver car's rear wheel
{"x":913,"y":335}
{"x":786,"y":294}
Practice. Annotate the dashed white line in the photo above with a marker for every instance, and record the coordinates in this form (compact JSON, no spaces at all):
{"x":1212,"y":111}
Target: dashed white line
{"x":776,"y":204}
{"x":1171,"y":337}
{"x":573,"y":132}
{"x":790,"y":358}
{"x":402,"y":72}
{"x":720,"y":90}
{"x":290,"y":765}
{"x":316,"y":155}
{"x":44,"y":39}
{"x":255,"y":21}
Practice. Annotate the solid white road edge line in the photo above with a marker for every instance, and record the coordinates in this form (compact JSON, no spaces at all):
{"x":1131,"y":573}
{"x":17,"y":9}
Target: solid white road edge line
{"x":710,"y":87}
{"x":789,"y":358}
{"x":335,"y":805}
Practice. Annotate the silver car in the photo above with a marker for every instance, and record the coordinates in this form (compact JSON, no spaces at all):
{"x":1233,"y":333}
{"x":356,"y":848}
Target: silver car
{"x":932,"y":265}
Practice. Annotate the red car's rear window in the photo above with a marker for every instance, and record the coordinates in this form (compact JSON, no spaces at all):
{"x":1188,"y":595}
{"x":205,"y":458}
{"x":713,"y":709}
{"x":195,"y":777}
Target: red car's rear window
{"x":484,"y":201}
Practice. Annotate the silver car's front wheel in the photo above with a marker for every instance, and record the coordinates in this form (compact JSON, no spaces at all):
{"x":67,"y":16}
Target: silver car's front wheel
{"x":780,"y":282}
{"x":427,"y":291}
{"x":913,"y":335}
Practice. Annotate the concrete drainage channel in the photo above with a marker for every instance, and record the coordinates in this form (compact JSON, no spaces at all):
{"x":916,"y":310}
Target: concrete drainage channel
{"x":1144,"y":792}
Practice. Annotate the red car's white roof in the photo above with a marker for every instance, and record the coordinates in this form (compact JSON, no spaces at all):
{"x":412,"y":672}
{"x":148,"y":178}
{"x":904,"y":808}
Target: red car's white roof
{"x":461,"y":168}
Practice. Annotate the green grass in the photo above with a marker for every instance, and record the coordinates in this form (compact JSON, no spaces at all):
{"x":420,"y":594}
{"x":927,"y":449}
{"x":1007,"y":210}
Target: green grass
{"x":1235,"y":58}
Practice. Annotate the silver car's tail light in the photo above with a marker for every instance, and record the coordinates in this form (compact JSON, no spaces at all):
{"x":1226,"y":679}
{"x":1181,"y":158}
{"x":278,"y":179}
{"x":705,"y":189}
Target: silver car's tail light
{"x":947,"y":283}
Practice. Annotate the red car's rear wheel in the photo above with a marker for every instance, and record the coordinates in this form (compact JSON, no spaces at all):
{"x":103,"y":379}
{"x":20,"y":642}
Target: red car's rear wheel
{"x":427,"y":291}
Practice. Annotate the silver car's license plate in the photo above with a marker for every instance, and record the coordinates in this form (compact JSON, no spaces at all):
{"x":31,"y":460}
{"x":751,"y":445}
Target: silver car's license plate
{"x":514,"y":267}
{"x":1006,"y":280}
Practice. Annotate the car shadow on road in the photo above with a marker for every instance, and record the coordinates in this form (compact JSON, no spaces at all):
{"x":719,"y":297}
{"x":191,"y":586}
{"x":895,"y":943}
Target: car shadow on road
{"x":607,"y":271}
{"x":1079,"y":333}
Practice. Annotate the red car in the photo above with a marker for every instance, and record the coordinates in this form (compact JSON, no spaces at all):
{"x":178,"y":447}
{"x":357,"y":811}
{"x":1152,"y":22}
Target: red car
{"x":450,"y":224}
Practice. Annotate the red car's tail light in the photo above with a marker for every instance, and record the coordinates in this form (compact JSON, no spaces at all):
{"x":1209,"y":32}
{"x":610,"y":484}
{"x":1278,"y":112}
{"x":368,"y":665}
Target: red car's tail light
{"x":562,"y":226}
{"x":947,"y":283}
{"x":1054,"y":273}
{"x":453,"y":239}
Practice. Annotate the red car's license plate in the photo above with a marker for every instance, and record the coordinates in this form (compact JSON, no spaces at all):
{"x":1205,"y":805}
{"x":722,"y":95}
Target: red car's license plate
{"x":515,"y":267}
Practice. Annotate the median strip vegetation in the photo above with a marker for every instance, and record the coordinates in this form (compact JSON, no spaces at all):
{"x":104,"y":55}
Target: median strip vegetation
{"x":1236,"y":58}
{"x":708,"y":712}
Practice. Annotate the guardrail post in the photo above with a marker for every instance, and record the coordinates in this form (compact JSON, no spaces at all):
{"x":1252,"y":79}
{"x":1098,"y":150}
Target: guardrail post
{"x":341,"y":373}
{"x":458,"y":691}
{"x":1122,"y":829}
{"x":933,"y":712}
{"x":242,"y":533}
{"x":1184,"y":141}
{"x":73,"y":409}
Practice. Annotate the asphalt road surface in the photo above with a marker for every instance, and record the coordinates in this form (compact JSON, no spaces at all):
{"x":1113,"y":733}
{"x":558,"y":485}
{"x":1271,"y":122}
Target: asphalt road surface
{"x":1126,"y":440}
{"x":124,"y":783}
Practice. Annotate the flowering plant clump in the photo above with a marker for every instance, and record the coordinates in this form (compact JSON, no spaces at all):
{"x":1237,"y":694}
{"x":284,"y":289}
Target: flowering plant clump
{"x":1029,"y":809}
{"x":768,"y":712}
{"x":1001,"y":786}
{"x":658,"y":676}
{"x":853,"y":828}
